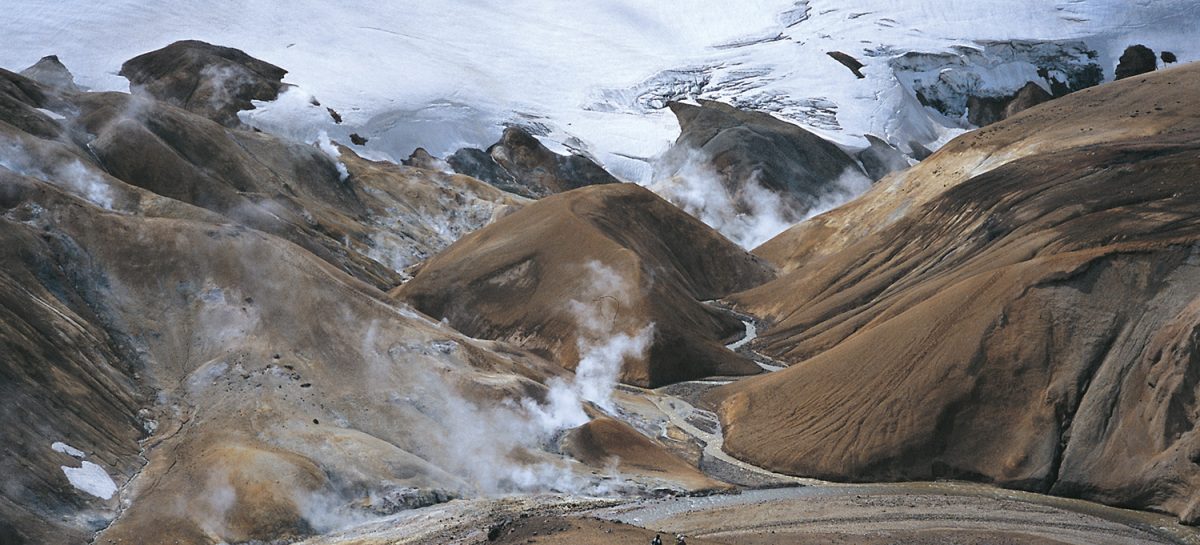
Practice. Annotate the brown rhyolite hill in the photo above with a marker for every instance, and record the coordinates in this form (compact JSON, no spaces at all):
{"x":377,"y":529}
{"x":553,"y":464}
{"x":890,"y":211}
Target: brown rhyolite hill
{"x":1091,"y":116}
{"x":606,"y":442}
{"x":227,"y":369}
{"x":1021,"y":308}
{"x":217,"y":372}
{"x":515,"y":279}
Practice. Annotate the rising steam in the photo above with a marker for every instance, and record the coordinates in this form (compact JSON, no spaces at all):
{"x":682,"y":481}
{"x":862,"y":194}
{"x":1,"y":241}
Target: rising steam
{"x":484,"y":438}
{"x":70,"y":174}
{"x":756,"y":214}
{"x":602,"y":351}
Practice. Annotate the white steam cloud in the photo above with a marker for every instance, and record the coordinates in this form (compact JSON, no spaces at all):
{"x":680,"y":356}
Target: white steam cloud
{"x":757,"y":214}
{"x":326,"y":146}
{"x":71,"y":175}
{"x":500,"y":447}
{"x":224,"y":81}
{"x":602,"y":351}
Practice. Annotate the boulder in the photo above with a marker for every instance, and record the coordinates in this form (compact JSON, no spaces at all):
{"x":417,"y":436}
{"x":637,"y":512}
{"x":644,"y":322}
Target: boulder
{"x":1136,"y":60}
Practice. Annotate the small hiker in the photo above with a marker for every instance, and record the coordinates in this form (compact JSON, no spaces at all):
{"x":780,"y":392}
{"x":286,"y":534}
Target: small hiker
{"x":679,"y":540}
{"x":656,"y":541}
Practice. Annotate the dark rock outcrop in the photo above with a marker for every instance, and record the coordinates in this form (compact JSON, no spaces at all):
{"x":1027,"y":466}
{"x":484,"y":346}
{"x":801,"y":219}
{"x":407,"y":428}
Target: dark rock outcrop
{"x":49,"y":71}
{"x":881,"y":158}
{"x":421,"y":158}
{"x":520,"y":164}
{"x":1136,"y":60}
{"x":849,"y":62}
{"x":477,"y":164}
{"x":20,"y":99}
{"x":541,"y":171}
{"x":983,"y":111}
{"x":213,"y":81}
{"x":751,"y":150}
{"x":627,"y":257}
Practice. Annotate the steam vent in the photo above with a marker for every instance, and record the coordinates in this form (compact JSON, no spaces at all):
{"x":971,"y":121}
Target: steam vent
{"x":772,"y":272}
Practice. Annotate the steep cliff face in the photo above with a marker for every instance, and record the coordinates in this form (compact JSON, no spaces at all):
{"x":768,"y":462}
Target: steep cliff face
{"x":1027,"y":323}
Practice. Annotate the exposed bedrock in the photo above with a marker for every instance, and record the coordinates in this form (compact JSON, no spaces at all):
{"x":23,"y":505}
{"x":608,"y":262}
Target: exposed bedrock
{"x":848,"y":61}
{"x":983,"y":111}
{"x":881,"y":158}
{"x":49,"y":71}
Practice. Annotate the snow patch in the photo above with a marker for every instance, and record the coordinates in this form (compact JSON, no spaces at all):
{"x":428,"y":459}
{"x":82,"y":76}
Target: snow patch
{"x":51,"y":114}
{"x":91,"y":479}
{"x":59,"y":446}
{"x":429,"y":75}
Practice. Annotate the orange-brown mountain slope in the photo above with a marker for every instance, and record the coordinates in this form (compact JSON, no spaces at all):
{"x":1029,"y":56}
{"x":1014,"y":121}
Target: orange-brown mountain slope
{"x":1021,"y":308}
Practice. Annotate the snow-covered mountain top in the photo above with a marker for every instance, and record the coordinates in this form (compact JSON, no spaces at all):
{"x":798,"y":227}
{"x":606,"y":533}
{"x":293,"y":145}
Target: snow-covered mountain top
{"x":590,"y":75}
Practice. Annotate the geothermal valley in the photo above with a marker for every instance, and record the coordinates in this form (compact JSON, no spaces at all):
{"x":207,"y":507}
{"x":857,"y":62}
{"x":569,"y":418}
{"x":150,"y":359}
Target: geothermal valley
{"x":811,"y":272}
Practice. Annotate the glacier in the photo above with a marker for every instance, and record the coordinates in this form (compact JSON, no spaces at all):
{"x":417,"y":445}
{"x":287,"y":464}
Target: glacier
{"x":594,"y":77}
